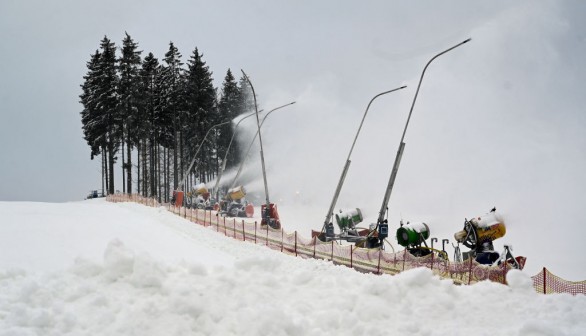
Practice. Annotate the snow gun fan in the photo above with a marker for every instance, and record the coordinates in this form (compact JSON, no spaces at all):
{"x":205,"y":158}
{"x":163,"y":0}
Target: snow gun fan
{"x":412,"y":236}
{"x":478,"y":235}
{"x":199,"y":198}
{"x":235,"y":205}
{"x":347,"y":220}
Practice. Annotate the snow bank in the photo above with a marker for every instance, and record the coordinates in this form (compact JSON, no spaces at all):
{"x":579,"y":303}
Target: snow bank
{"x":254,"y":291}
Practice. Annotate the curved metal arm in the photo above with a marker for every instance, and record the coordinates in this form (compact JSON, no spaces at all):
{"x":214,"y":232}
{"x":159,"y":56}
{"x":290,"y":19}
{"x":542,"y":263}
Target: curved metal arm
{"x":391,"y":183}
{"x":233,"y":184}
{"x":227,"y":151}
{"x":347,"y":164}
{"x":197,"y":152}
{"x":262,"y":156}
{"x":421,"y":79}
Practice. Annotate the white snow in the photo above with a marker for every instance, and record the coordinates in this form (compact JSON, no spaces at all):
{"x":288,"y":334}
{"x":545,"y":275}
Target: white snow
{"x":488,"y":220}
{"x":419,"y":227}
{"x":99,"y":268}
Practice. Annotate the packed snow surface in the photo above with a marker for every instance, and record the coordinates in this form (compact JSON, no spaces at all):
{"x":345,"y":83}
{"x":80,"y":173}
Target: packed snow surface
{"x":98,"y":268}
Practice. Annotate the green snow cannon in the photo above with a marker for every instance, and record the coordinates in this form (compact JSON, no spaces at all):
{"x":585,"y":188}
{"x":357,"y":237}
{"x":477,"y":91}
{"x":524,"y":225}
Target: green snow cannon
{"x":349,"y":218}
{"x":412,"y":234}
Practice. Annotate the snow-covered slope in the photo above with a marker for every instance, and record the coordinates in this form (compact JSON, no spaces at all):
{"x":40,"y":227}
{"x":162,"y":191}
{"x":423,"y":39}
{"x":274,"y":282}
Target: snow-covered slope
{"x":97,"y":268}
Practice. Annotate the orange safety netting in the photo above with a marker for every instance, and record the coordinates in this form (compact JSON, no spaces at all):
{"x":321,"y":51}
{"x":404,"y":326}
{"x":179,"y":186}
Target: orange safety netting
{"x":547,"y":283}
{"x":361,"y":259}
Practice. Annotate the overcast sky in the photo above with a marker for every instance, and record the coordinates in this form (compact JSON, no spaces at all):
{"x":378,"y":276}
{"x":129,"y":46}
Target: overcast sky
{"x":498,"y":122}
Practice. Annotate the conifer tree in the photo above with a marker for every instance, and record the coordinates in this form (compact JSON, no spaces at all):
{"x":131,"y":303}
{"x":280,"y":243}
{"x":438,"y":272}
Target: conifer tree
{"x":129,"y":96}
{"x":90,"y":118}
{"x":202,"y":113}
{"x":171,"y":104}
{"x":100,"y":101}
{"x":148,"y":133}
{"x":229,"y":107}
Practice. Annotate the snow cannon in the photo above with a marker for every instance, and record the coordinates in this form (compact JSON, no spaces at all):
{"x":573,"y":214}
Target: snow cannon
{"x":236,"y":193}
{"x":482,"y":229}
{"x":478,"y":235}
{"x":200,"y":189}
{"x":347,"y":220}
{"x":270,"y":216}
{"x":411,"y":236}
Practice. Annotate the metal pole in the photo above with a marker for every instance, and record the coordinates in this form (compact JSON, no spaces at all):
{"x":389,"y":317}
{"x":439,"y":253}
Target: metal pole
{"x":347,"y":165}
{"x":197,"y":152}
{"x":385,"y":203}
{"x":226,"y":155}
{"x":232,"y":185}
{"x":262,"y":157}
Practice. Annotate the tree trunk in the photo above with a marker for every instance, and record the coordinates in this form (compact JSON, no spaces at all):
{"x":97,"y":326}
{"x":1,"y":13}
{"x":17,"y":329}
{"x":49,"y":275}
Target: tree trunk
{"x":129,"y":166}
{"x":104,"y":175}
{"x":110,"y":165}
{"x":123,"y":165}
{"x":138,"y":167}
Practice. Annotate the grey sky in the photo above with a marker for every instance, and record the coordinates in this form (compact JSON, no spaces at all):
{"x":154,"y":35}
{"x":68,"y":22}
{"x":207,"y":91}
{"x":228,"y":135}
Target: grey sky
{"x":499,"y":121}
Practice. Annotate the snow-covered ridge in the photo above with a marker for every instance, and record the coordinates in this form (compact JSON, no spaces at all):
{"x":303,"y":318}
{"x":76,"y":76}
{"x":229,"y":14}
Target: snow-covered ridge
{"x":99,"y":268}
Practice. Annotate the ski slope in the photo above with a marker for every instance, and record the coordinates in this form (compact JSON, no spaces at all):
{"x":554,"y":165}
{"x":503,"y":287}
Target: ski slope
{"x":99,"y":268}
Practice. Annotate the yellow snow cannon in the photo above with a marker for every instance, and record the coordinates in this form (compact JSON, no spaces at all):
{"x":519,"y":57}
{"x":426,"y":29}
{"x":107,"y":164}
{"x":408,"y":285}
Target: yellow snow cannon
{"x":479,"y":230}
{"x":236,"y":193}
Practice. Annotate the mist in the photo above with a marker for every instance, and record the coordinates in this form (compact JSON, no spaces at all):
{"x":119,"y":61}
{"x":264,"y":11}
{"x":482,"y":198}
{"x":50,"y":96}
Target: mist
{"x":497,"y":123}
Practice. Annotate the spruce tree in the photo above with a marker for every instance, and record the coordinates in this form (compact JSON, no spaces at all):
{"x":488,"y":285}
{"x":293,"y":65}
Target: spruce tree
{"x":229,"y":107}
{"x":201,"y":113}
{"x":148,"y":133}
{"x":108,"y":103}
{"x":171,"y":104}
{"x":129,"y":96}
{"x":91,"y":123}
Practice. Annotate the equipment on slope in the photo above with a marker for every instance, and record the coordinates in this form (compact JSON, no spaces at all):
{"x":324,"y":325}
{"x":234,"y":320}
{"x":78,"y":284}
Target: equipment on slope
{"x":479,"y":233}
{"x":198,"y":198}
{"x":411,"y":236}
{"x":234,"y":205}
{"x":327,"y":233}
{"x":270,"y":216}
{"x":381,"y":224}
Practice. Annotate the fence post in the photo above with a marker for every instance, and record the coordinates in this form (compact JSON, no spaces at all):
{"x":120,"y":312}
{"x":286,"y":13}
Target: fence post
{"x":243,"y":233}
{"x":225,"y":232}
{"x":234,"y":228}
{"x":282,"y":238}
{"x":267,"y":234}
{"x":380,"y":252}
{"x":314,"y":243}
{"x":432,"y":253}
{"x":470,"y":270}
{"x":404,"y":257}
{"x":544,"y":280}
{"x":296,"y":243}
{"x":351,"y":252}
{"x":332,"y":251}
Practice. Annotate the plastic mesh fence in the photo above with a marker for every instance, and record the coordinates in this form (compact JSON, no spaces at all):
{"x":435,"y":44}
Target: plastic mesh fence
{"x":547,"y":283}
{"x":363,"y":260}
